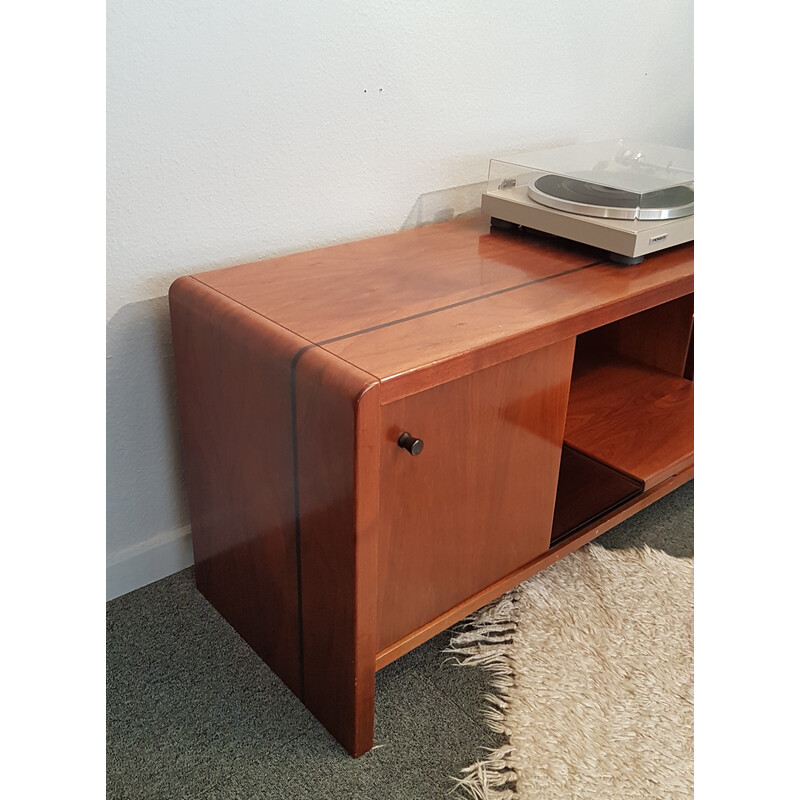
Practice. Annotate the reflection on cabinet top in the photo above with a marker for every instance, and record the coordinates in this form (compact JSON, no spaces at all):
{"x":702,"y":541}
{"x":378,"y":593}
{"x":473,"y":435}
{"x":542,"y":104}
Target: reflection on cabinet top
{"x":420,"y":307}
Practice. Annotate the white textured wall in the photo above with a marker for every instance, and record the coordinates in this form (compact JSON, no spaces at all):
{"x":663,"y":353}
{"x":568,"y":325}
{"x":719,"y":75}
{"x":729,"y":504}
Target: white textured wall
{"x":244,"y":129}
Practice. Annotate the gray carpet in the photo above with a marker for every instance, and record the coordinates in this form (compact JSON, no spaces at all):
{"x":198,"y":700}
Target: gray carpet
{"x":193,"y":713}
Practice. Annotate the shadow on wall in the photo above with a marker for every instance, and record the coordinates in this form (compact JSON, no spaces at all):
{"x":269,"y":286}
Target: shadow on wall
{"x":145,"y":496}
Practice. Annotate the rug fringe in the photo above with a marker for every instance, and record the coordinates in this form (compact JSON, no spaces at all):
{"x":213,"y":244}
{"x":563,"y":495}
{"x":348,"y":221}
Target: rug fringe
{"x":642,"y":600}
{"x":483,"y":641}
{"x":490,"y":779}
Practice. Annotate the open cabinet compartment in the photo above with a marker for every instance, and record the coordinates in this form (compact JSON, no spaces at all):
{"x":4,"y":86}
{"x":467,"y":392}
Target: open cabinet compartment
{"x":630,"y":417}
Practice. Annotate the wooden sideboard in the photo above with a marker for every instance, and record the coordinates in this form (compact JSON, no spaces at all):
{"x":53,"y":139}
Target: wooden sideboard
{"x":550,"y":392}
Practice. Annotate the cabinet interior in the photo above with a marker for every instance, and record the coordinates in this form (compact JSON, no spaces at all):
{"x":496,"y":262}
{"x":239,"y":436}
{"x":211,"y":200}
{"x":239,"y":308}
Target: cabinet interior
{"x":630,"y":415}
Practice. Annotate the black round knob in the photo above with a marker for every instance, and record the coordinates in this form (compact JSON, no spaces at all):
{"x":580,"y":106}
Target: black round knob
{"x":408,"y":442}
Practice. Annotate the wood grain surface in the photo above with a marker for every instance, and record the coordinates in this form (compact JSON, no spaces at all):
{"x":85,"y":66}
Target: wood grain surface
{"x":233,"y":372}
{"x":579,"y":538}
{"x":337,"y":520}
{"x":478,"y":500}
{"x":276,"y":436}
{"x":338,"y":291}
{"x":659,"y":336}
{"x":429,"y":305}
{"x":638,"y":419}
{"x":328,"y":547}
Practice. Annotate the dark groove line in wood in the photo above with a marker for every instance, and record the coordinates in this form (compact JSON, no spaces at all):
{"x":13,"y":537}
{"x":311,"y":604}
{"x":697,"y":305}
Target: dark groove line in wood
{"x":459,"y":303}
{"x":283,"y":327}
{"x":296,"y":477}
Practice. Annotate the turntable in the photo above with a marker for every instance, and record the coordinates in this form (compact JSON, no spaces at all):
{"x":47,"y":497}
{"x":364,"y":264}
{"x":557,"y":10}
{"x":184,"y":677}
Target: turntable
{"x":628,"y":198}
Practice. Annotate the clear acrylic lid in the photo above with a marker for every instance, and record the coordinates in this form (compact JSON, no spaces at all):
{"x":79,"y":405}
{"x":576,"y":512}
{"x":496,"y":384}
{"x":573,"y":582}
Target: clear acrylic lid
{"x":619,"y":164}
{"x":620,"y":179}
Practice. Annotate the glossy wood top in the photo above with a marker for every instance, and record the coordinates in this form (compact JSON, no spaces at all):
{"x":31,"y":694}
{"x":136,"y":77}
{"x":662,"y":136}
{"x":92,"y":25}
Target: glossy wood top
{"x":427,"y":305}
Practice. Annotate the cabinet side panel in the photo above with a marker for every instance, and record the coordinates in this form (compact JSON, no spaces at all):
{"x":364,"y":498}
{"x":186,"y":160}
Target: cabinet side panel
{"x":337,"y":466}
{"x":233,"y":381}
{"x":477,"y":502}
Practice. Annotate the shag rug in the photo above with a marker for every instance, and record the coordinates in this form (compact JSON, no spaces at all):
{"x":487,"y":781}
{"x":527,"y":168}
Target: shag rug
{"x":592,"y":663}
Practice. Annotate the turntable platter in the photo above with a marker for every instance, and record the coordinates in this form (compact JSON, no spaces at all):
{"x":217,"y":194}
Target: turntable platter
{"x":595,"y":200}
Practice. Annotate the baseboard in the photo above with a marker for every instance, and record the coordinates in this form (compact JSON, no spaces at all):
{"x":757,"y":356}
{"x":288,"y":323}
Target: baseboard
{"x":150,"y":561}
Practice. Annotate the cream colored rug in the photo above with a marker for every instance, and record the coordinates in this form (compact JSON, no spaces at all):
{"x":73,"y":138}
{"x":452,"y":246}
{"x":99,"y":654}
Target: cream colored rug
{"x":592,"y":663}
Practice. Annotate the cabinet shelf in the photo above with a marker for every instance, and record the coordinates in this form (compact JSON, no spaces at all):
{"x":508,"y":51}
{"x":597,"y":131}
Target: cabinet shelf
{"x":633,"y":417}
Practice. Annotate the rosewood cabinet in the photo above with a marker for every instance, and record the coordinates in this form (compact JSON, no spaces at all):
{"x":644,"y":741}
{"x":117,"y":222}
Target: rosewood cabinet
{"x":381,"y":437}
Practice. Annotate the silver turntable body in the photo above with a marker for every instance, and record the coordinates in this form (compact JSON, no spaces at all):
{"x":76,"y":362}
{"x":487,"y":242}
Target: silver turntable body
{"x":629,"y":199}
